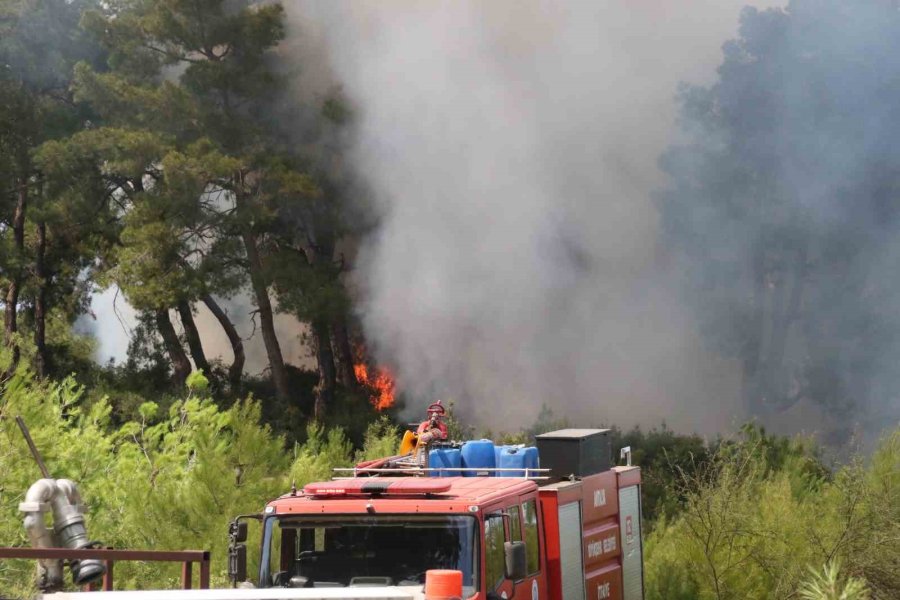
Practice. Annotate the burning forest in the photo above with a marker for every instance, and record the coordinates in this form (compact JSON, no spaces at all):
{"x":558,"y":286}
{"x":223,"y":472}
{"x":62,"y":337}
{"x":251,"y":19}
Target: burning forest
{"x":259,"y":237}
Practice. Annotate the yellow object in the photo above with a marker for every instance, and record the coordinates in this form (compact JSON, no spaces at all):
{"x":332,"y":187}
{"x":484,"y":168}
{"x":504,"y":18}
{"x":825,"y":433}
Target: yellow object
{"x":408,"y":443}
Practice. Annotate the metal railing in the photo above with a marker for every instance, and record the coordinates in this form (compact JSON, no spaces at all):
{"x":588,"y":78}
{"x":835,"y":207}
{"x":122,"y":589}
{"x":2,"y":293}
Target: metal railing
{"x":529,"y":473}
{"x":187,"y":558}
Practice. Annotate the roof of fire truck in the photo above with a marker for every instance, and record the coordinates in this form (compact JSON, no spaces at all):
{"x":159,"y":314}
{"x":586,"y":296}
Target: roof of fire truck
{"x":401,"y":494}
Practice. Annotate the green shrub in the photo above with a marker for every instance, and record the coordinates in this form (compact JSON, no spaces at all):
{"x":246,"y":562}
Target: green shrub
{"x":382,"y":439}
{"x":763,"y":512}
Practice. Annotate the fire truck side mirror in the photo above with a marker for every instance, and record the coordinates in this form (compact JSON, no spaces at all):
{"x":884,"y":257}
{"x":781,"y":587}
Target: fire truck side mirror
{"x":516,"y":560}
{"x":237,"y":551}
{"x":237,"y":531}
{"x":237,"y":563}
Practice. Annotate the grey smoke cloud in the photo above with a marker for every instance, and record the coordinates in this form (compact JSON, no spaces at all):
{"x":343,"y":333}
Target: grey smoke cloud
{"x":511,"y":148}
{"x":783,"y":206}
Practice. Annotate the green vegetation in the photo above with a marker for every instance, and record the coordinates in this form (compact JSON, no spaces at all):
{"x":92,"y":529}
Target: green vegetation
{"x":142,"y":146}
{"x":170,"y":479}
{"x":763,"y":519}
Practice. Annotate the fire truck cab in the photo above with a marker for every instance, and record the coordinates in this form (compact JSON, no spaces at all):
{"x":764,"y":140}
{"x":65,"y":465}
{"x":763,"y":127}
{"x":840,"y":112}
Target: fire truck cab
{"x":568,"y":534}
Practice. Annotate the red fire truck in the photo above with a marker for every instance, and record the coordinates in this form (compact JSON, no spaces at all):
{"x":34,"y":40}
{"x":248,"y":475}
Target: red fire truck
{"x":570,"y":530}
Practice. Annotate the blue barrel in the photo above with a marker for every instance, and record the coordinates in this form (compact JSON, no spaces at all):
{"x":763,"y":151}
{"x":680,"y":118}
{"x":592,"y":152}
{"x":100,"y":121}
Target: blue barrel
{"x":512,"y":457}
{"x":532,"y":459}
{"x":478,"y":454}
{"x":498,"y":450}
{"x":445,"y":458}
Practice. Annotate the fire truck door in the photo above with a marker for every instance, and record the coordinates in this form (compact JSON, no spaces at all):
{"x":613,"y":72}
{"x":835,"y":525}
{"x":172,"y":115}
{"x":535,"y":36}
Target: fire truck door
{"x":531,"y":534}
{"x":522,"y":527}
{"x":516,"y":524}
{"x":521,"y":587}
{"x":496,"y":584}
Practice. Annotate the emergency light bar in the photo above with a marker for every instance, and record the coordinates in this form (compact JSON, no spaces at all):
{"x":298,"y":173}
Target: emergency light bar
{"x":358,"y":487}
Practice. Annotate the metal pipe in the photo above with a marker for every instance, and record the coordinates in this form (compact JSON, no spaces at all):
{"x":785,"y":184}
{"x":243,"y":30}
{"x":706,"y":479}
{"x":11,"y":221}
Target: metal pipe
{"x":62,"y":498}
{"x":70,"y":489}
{"x":37,"y":500}
{"x":68,"y":524}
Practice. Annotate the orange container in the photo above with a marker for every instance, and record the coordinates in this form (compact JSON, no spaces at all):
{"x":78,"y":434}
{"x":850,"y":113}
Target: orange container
{"x":443,"y":584}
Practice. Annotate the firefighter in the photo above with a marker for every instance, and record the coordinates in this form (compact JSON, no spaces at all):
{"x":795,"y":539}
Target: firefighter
{"x":434,"y":428}
{"x":431,"y":430}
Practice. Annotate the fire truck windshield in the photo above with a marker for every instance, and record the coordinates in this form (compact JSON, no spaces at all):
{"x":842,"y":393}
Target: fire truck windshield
{"x":367,"y":550}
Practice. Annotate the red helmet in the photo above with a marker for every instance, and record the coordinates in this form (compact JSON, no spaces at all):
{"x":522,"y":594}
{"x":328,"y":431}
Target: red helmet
{"x":436,"y":410}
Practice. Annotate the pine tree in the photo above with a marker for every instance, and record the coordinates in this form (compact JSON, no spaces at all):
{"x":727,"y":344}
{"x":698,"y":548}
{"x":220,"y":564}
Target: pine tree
{"x":39,"y":266}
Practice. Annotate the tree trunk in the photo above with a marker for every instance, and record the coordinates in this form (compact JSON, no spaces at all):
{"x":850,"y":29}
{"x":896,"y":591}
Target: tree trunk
{"x":10,"y":323}
{"x":40,"y":302}
{"x":750,"y":352}
{"x":181,"y":366}
{"x":266,"y":318}
{"x":778,"y":384}
{"x":237,"y":345}
{"x":261,"y":293}
{"x":770,"y":387}
{"x":325,"y":360}
{"x":321,"y":335}
{"x":340,"y":343}
{"x":193,"y":338}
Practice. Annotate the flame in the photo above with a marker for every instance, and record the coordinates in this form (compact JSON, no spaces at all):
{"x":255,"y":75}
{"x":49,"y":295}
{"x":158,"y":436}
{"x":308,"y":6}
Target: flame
{"x":380,"y":381}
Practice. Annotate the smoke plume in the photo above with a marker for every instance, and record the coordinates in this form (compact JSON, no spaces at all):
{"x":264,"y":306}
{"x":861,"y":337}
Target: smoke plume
{"x":511,"y":149}
{"x":782,"y":210}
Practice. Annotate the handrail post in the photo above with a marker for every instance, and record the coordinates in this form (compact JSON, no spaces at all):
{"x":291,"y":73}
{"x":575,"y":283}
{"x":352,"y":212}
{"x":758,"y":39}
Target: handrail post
{"x":108,"y":576}
{"x":204,"y":572}
{"x":186,"y":574}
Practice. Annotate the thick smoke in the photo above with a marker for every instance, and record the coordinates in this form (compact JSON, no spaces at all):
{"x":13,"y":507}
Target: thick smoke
{"x":784,"y":207}
{"x":511,"y":147}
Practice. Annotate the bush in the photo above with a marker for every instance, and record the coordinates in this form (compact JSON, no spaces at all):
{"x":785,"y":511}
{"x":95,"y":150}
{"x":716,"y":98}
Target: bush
{"x":763,"y":512}
{"x":662,"y":455}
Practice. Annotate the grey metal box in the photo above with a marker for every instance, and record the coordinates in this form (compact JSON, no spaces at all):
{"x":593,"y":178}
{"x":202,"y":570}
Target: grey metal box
{"x":578,"y":452}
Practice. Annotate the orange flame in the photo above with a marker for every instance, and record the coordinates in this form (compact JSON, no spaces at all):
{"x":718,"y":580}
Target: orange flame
{"x":381,"y":382}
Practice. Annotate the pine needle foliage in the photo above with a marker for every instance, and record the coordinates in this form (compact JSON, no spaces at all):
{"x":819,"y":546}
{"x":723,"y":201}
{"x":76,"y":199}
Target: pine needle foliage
{"x":762,"y":513}
{"x":166,"y":480}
